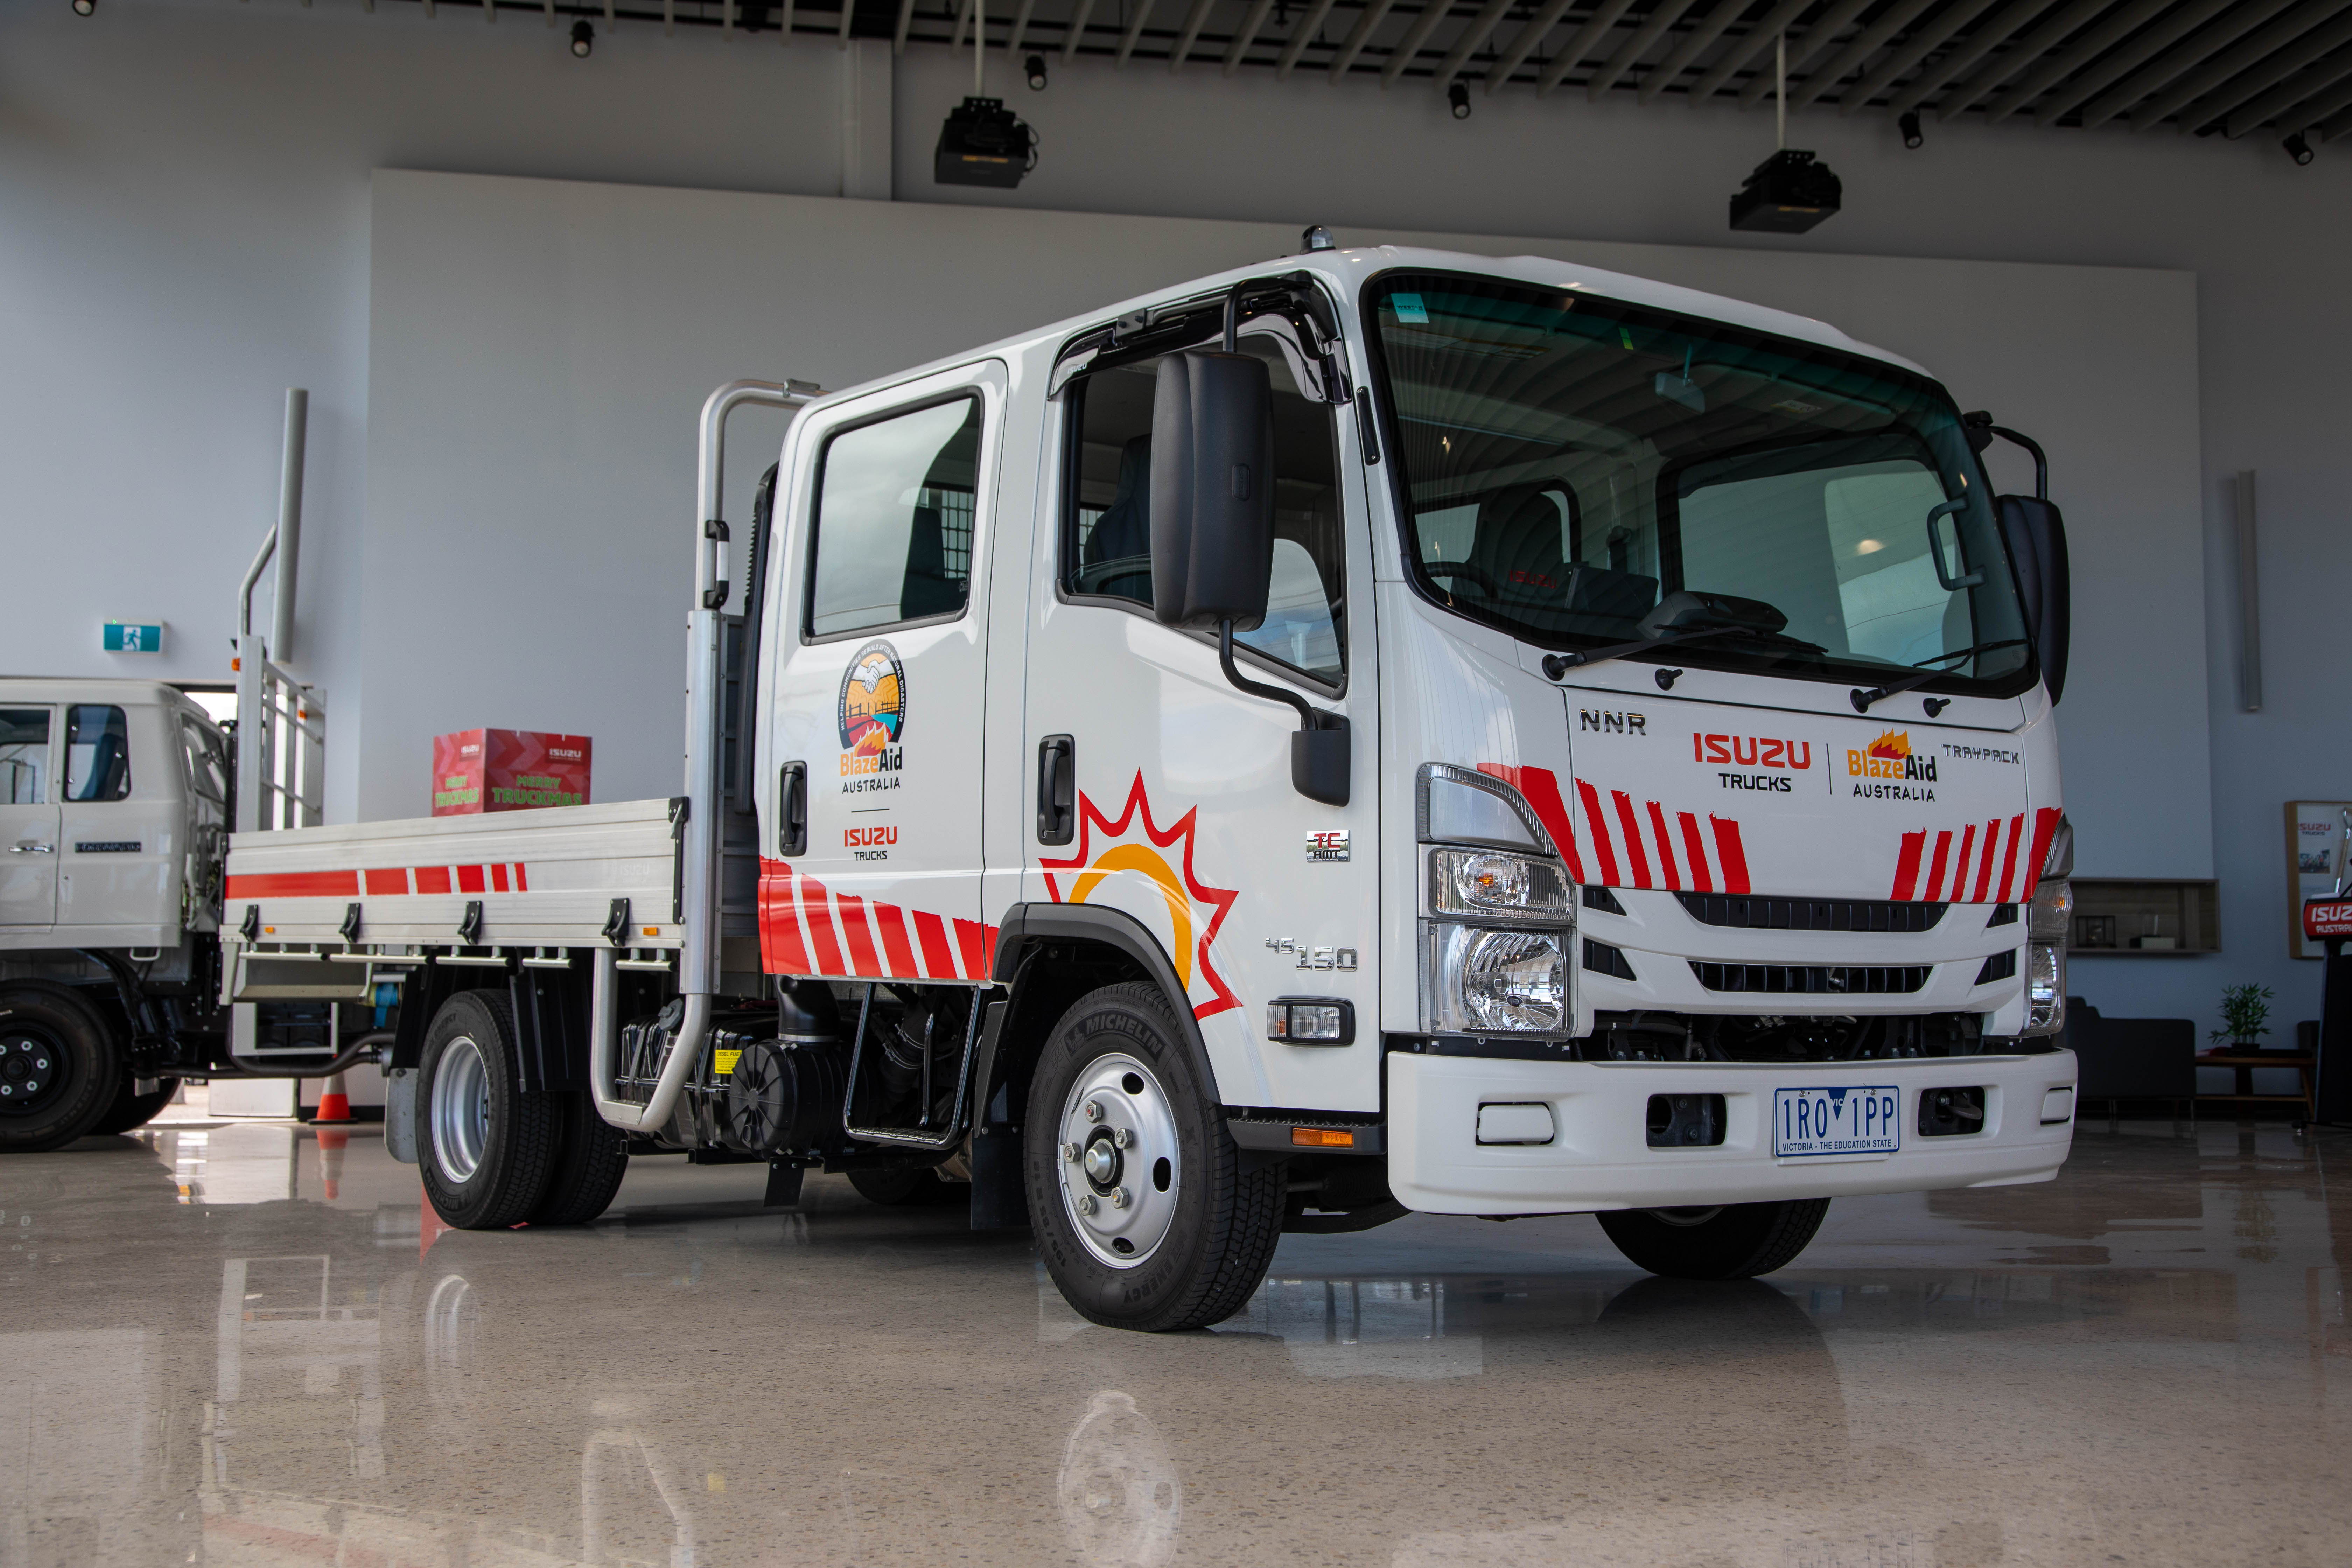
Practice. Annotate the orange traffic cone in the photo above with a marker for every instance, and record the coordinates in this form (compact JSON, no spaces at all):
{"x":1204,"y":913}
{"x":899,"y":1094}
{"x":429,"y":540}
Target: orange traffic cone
{"x":335,"y":1103}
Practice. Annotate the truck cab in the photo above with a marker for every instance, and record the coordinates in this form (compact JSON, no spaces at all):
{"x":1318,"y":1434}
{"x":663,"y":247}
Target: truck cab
{"x":1380,"y":731}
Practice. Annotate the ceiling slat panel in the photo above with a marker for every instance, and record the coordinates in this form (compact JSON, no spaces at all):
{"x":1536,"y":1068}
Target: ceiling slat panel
{"x":1748,"y":46}
{"x":2242,"y":17}
{"x":1252,"y":25}
{"x":1596,"y":26}
{"x":1408,"y":48}
{"x":1662,"y":14}
{"x":1357,"y":37}
{"x":2097,"y":76}
{"x":2054,"y":31}
{"x":1190,"y":35}
{"x":1925,"y":42}
{"x":1524,"y":43}
{"x":2118,"y":27}
{"x":1855,"y":55}
{"x":1709,"y":29}
{"x":1805,"y":48}
{"x":2301,"y":100}
{"x":2301,"y":23}
{"x":1474,"y":38}
{"x":1309,"y":25}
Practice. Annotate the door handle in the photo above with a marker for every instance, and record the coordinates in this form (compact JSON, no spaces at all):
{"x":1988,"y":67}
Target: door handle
{"x":1057,"y":789}
{"x":791,"y":810}
{"x":30,"y":848}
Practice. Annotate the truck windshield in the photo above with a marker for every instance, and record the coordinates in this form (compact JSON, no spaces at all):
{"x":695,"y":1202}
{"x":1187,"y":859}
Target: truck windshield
{"x":1568,"y":463}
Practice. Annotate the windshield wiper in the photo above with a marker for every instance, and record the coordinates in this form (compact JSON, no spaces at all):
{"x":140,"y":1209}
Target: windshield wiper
{"x":1863,"y":700}
{"x":1556,"y":664}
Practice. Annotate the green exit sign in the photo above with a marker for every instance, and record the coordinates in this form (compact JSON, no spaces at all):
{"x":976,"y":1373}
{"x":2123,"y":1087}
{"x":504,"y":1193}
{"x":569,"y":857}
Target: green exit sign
{"x":131,"y":636}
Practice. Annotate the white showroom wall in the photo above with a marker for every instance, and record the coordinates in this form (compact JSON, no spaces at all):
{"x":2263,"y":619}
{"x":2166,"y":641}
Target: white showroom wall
{"x":184,"y":189}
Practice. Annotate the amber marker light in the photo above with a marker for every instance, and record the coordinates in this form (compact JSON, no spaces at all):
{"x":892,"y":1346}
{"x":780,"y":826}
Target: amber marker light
{"x":1322,"y":1137}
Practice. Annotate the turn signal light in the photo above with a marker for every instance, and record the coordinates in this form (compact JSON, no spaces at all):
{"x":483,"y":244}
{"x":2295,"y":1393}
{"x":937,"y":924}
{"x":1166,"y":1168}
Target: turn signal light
{"x":1322,"y":1137}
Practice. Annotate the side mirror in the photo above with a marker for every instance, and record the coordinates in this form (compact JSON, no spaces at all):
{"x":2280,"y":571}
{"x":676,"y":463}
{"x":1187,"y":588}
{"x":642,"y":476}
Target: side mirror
{"x":1211,"y":491}
{"x":1213,"y":534}
{"x":2036,"y":536}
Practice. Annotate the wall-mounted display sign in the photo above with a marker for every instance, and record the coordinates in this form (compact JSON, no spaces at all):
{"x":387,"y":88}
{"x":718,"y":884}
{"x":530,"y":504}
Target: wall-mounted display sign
{"x":131,"y":637}
{"x":2312,"y":828}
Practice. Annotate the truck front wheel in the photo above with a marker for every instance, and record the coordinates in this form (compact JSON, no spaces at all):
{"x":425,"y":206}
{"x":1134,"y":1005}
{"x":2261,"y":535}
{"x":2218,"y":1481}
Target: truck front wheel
{"x":59,"y":1068}
{"x":1735,"y":1241}
{"x":485,"y":1146}
{"x":1144,"y":1214}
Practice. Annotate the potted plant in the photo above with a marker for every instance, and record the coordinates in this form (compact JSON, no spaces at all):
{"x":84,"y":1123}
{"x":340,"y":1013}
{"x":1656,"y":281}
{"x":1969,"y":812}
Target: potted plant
{"x":2245,"y":1018}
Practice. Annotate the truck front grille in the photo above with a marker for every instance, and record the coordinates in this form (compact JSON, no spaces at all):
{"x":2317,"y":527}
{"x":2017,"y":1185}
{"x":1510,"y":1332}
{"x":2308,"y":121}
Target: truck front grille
{"x":1812,"y":979}
{"x":1809,"y":914}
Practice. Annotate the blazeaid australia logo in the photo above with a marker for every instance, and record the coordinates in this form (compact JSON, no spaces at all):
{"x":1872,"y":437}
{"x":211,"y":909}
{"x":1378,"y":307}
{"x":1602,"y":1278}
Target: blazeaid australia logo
{"x":1896,"y":774}
{"x":873,"y":717}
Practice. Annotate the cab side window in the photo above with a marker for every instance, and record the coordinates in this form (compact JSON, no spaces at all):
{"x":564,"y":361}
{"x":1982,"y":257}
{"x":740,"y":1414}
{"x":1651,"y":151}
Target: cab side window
{"x":891,"y":537}
{"x":97,"y":753}
{"x":24,"y":756}
{"x":1106,"y":525}
{"x":208,"y":766}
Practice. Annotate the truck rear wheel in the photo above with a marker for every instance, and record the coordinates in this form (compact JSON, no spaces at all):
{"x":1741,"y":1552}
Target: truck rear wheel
{"x":592,"y":1156}
{"x":1736,"y":1241}
{"x":1143,"y":1212}
{"x":485,"y":1146}
{"x":59,"y":1071}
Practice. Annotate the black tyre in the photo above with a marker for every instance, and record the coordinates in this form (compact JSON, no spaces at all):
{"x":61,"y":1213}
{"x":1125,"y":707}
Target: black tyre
{"x":592,"y":1156}
{"x":907,"y":1188}
{"x":59,"y":1070}
{"x":485,"y":1148}
{"x":1143,"y":1213}
{"x":131,"y":1109}
{"x":1736,"y":1241}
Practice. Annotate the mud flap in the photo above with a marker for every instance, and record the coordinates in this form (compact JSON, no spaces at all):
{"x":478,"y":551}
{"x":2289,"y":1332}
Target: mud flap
{"x":400,"y":1114}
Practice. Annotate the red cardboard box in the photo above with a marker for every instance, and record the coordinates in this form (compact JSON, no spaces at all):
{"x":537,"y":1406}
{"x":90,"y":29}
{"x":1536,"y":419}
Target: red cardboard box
{"x":507,"y":769}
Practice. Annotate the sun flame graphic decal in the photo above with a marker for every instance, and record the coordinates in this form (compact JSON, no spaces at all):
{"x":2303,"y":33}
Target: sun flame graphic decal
{"x":1893,"y":743}
{"x":1195,"y":911}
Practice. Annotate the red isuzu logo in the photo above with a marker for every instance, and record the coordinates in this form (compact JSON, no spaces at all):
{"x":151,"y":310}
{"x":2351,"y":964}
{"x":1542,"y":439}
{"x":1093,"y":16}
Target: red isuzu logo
{"x":1749,"y":752}
{"x":2327,"y":917}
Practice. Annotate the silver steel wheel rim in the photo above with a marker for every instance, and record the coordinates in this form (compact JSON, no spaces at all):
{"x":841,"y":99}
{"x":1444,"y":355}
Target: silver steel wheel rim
{"x":461,"y":1110}
{"x":1112,"y":1162}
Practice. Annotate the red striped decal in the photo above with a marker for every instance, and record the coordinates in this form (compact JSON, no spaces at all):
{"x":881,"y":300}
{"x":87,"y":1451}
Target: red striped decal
{"x":1984,"y":866}
{"x":898,"y":954}
{"x":1665,"y":849}
{"x":817,"y":905}
{"x":1540,"y":787}
{"x":1594,"y":824}
{"x":497,"y":878}
{"x":782,"y":951}
{"x":432,"y":879}
{"x":2009,"y":863}
{"x":863,"y":963}
{"x":1960,"y":870}
{"x":988,"y":950}
{"x":293,"y":884}
{"x":974,"y":946}
{"x":469,"y":879}
{"x":1936,"y":867}
{"x":1733,"y":854}
{"x":1633,"y":851}
{"x":1907,"y":866}
{"x":938,"y":960}
{"x":2045,"y":824}
{"x":1698,"y":853}
{"x":390,"y":880}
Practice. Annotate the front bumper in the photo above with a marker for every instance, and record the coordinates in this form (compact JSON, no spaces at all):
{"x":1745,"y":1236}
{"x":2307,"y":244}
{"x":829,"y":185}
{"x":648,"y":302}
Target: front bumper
{"x":1600,"y":1157}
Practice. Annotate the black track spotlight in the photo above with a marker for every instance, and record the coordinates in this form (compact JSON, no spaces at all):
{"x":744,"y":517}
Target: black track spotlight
{"x":1909,"y":126}
{"x":1035,"y":66}
{"x":583,"y":38}
{"x":1459,"y":97}
{"x":84,"y":7}
{"x":2298,"y":147}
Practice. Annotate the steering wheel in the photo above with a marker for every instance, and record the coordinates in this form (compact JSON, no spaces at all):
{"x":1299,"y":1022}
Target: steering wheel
{"x":1463,"y":569}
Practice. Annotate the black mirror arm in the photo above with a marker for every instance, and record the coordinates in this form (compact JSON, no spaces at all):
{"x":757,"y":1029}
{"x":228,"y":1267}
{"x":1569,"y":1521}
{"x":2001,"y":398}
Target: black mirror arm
{"x":1309,"y":717}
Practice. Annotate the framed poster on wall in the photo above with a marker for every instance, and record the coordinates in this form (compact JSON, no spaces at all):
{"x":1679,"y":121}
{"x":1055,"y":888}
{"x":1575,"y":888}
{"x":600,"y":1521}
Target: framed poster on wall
{"x":2312,"y":827}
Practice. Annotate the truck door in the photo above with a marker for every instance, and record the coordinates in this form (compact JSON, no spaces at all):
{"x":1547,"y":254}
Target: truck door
{"x":1182,"y":814}
{"x":116,"y":845}
{"x":878,"y":663}
{"x":28,"y":818}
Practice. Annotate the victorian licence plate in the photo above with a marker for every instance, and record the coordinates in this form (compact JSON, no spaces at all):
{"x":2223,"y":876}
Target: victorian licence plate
{"x":1810,"y":1122}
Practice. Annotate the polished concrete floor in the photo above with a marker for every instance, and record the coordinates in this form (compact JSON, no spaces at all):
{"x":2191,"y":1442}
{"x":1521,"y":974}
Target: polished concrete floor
{"x":237,"y":1344}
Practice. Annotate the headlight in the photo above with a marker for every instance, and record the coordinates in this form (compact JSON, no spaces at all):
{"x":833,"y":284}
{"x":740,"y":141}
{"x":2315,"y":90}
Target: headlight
{"x":1497,"y":887}
{"x":2045,"y":988}
{"x":1479,"y":980}
{"x":2053,"y":912}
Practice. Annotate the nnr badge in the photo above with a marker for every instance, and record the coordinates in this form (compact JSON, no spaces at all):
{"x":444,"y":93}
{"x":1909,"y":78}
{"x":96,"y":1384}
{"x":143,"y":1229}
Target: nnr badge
{"x":1331,"y":844}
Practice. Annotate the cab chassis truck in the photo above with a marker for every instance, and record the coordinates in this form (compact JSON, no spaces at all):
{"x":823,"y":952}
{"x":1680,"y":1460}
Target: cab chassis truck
{"x":1381,"y":731}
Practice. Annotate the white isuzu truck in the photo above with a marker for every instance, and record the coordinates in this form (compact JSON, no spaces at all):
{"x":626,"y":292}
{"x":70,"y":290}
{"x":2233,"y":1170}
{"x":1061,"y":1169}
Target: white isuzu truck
{"x":1381,"y":731}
